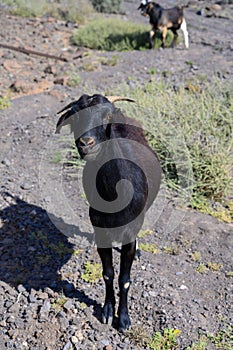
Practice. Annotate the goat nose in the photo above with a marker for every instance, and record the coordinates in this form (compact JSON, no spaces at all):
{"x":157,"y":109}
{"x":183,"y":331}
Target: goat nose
{"x":87,"y":141}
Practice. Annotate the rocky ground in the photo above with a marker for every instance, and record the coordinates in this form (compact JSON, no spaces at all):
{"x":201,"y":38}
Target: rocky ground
{"x":44,"y":302}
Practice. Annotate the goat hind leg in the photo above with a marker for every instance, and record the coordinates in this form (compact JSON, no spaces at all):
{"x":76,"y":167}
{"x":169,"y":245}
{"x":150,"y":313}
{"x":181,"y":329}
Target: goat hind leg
{"x":183,"y":27}
{"x":127,"y":257}
{"x":151,"y":38}
{"x":108,"y":275}
{"x":174,"y":41}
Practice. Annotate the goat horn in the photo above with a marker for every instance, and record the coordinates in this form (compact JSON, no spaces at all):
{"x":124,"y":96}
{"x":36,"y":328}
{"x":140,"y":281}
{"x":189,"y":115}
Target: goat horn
{"x":113,"y":99}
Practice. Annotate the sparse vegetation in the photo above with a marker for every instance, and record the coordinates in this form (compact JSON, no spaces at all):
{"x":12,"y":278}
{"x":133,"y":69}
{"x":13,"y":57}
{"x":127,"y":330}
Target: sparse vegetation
{"x":164,"y":341}
{"x":107,"y":6}
{"x":149,"y":247}
{"x":60,"y":249}
{"x":93,"y":272}
{"x":214,"y":267}
{"x":111,"y":62}
{"x":196,"y":256}
{"x":67,"y":10}
{"x":201,"y":268}
{"x":152,"y":71}
{"x":59,"y":303}
{"x":144,"y":233}
{"x":138,"y":335}
{"x":106,"y":34}
{"x":57,"y":157}
{"x":191,"y":131}
{"x":172,"y":250}
{"x":199,"y":345}
{"x":4,"y":102}
{"x":74,"y":79}
{"x":223,"y":340}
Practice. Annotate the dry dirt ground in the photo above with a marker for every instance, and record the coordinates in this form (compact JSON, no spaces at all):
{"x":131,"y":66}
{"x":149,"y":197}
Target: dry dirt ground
{"x":44,"y":302}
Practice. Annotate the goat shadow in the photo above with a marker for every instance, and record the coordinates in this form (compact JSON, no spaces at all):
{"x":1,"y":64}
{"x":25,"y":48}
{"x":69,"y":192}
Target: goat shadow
{"x":33,"y":250}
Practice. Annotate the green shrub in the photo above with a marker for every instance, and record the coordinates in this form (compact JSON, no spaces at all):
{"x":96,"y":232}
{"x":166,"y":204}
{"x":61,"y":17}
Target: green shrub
{"x":107,"y":6}
{"x":108,"y":34}
{"x":191,"y":131}
{"x":68,"y":10}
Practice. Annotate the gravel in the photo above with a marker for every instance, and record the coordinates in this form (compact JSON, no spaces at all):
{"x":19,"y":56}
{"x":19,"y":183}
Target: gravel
{"x":44,"y":303}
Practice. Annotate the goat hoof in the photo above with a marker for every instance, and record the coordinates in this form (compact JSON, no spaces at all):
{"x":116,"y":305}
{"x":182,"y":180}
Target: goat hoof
{"x":107,"y":320}
{"x":107,"y":314}
{"x":124,"y":323}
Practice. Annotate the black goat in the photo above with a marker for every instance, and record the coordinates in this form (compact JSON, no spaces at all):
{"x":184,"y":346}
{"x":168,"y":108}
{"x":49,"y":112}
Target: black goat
{"x":121,"y":178}
{"x":163,"y":19}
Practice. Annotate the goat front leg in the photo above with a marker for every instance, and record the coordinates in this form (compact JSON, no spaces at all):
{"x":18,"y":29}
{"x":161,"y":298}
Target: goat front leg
{"x":108,"y":275}
{"x":127,"y":256}
{"x":164,"y":35}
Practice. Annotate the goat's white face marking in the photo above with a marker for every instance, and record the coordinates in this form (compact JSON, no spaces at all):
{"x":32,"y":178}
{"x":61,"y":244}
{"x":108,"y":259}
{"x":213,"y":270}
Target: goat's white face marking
{"x":106,"y":277}
{"x":126,"y":285}
{"x":183,"y":27}
{"x":144,"y":2}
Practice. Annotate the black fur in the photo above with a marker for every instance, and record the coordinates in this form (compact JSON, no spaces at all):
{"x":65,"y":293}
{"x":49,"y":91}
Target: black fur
{"x":127,"y":156}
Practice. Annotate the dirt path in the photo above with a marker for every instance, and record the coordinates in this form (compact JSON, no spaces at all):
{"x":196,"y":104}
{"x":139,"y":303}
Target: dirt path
{"x":44,"y":302}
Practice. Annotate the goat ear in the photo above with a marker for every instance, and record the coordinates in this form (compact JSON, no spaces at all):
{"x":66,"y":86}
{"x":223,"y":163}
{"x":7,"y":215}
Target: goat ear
{"x":113,"y":99}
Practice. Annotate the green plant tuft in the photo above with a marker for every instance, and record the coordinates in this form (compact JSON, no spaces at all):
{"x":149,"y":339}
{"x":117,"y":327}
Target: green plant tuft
{"x":107,"y":6}
{"x":164,"y":341}
{"x":149,"y":247}
{"x":118,"y":35}
{"x":93,"y":272}
{"x":223,"y":340}
{"x":4,"y":102}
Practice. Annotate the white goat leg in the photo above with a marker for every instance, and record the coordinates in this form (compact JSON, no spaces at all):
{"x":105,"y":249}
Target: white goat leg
{"x":186,"y":35}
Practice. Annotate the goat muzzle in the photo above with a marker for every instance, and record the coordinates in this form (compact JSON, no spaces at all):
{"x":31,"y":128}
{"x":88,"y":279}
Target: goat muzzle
{"x":87,"y":142}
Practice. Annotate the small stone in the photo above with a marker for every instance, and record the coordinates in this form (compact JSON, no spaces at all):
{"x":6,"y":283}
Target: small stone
{"x":32,"y":299}
{"x":79,"y":336}
{"x":74,"y":339}
{"x":45,"y":307}
{"x":68,"y":305}
{"x":183,"y":287}
{"x":68,"y":346}
{"x":21,"y":288}
{"x":108,"y":347}
{"x":6,"y":162}
{"x":11,"y":319}
{"x":145,"y":294}
{"x":26,"y":186}
{"x":61,"y":81}
{"x":42,"y":295}
{"x":14,"y":308}
{"x":50,"y":69}
{"x":105,"y":342}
